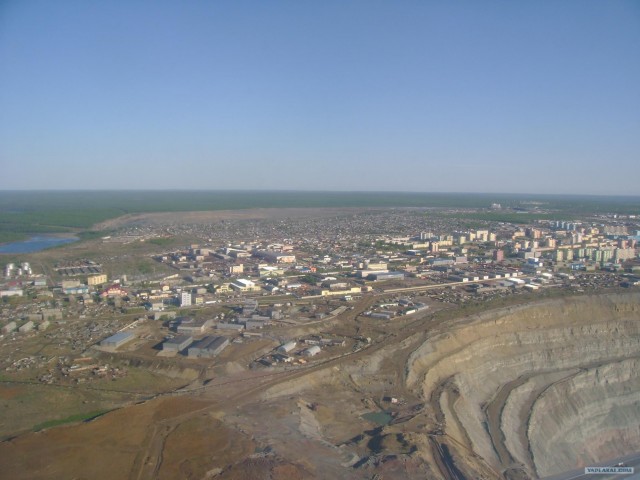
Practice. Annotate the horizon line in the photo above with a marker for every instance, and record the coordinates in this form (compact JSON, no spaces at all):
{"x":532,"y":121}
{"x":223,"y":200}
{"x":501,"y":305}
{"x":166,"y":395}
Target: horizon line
{"x":239,"y":190}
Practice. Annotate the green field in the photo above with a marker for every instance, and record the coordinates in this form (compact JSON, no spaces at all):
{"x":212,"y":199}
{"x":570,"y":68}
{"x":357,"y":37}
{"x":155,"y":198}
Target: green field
{"x":80,"y":417}
{"x":25,"y":213}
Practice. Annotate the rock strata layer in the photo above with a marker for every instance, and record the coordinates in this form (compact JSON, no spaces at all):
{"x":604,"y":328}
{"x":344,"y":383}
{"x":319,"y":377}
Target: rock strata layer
{"x":538,"y":389}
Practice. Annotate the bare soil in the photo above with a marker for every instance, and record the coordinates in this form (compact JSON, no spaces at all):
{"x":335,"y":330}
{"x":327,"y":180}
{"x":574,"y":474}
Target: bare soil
{"x":304,"y":422}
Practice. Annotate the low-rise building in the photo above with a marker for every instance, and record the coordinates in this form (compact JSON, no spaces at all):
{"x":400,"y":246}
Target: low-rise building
{"x":380,"y":276}
{"x":236,"y":269}
{"x":208,"y":347}
{"x":26,"y":327}
{"x":77,"y":290}
{"x":312,"y":351}
{"x":223,"y":288}
{"x":286,"y":347}
{"x":164,"y":315}
{"x":252,"y":324}
{"x":230,"y":326}
{"x":10,"y":327}
{"x":177,"y":344}
{"x":11,"y":293}
{"x":113,"y":291}
{"x":117,"y":340}
{"x":191,"y":326}
{"x":244,"y":285}
{"x":96,"y":280}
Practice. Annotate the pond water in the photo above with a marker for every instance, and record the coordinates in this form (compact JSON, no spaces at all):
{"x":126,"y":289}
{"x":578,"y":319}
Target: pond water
{"x":381,"y":418}
{"x":35,"y":244}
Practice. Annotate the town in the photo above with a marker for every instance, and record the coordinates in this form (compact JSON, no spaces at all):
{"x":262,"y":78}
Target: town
{"x":251,"y":286}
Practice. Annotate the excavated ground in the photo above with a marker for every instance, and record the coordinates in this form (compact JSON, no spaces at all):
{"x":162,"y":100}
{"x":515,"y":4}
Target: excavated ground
{"x":538,"y":389}
{"x":516,"y":393}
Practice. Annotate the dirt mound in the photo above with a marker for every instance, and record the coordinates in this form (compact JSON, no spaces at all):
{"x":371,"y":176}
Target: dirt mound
{"x":265,"y":468}
{"x":121,"y":443}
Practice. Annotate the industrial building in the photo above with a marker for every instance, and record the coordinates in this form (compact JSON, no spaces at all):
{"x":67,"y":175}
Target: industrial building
{"x":375,"y":266}
{"x":161,"y":315}
{"x":230,"y":326}
{"x":191,"y":326}
{"x":27,"y":327}
{"x":10,"y":327}
{"x":441,"y":261}
{"x":254,"y":324}
{"x":77,"y":290}
{"x":117,"y":340}
{"x":208,"y":347}
{"x":249,"y":307}
{"x":312,"y":351}
{"x":244,"y":285}
{"x":378,"y":276}
{"x":177,"y":344}
{"x":287,"y":347}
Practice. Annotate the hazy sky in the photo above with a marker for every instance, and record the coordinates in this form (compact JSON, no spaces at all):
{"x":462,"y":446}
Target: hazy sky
{"x":478,"y":96}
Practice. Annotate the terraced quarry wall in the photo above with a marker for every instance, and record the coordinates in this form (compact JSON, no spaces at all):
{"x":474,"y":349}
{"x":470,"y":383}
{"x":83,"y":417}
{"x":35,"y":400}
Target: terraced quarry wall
{"x":537,"y":389}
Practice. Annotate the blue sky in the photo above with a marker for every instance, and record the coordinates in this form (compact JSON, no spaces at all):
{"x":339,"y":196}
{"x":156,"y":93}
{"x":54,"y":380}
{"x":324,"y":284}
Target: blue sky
{"x":468,"y":96}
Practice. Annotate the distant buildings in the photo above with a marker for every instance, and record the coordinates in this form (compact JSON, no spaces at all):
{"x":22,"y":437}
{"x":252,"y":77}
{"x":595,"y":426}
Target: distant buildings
{"x":275,"y":257}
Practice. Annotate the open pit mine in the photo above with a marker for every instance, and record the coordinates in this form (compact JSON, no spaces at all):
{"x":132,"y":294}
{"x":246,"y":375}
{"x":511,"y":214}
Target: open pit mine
{"x":535,"y":390}
{"x":522,"y":392}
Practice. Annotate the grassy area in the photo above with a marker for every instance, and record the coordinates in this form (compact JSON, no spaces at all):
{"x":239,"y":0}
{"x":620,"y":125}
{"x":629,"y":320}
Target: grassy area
{"x":20,"y":218}
{"x":80,"y":417}
{"x":163,"y":242}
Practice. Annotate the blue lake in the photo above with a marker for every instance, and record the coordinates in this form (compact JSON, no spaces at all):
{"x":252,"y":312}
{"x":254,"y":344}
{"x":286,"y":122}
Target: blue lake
{"x":35,"y":244}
